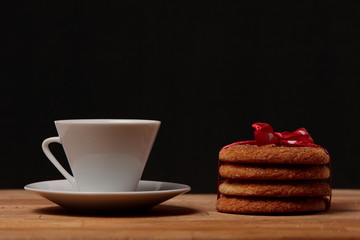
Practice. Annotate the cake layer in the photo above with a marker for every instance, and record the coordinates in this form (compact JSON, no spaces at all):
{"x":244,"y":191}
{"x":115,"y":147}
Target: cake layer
{"x":312,"y":188}
{"x":251,"y":205}
{"x":272,"y":154}
{"x":273,"y":172}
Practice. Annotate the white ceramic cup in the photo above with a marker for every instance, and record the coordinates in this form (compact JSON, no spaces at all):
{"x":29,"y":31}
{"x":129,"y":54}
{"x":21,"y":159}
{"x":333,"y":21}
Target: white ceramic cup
{"x":105,"y":155}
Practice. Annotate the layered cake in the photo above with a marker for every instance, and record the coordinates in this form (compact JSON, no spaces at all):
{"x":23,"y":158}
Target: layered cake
{"x":274,"y":174}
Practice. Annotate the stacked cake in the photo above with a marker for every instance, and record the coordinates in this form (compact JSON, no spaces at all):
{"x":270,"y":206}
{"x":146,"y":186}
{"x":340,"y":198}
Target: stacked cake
{"x":273,"y":179}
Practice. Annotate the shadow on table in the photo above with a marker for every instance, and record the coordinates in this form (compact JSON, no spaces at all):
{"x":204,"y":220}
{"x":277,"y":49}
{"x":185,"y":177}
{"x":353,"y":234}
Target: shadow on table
{"x":162,"y":210}
{"x":337,"y":207}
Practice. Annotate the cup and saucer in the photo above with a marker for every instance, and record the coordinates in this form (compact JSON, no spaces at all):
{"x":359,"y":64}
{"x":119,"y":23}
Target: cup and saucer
{"x":107,"y":158}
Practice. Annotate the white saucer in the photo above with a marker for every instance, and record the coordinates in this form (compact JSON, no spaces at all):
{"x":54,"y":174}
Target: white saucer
{"x":148,"y":194}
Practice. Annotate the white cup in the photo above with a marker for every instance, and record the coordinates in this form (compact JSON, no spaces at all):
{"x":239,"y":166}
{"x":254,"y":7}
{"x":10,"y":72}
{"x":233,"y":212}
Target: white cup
{"x":105,"y":155}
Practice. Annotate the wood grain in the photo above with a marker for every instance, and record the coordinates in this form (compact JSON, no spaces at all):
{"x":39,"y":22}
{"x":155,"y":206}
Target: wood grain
{"x":24,"y":215}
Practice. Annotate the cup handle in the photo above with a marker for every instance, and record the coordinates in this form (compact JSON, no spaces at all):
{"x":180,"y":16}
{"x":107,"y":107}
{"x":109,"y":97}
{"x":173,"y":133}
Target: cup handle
{"x":50,"y":156}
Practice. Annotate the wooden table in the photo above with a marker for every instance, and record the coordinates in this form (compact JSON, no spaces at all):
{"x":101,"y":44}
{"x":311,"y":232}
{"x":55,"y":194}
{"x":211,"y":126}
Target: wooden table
{"x":190,"y":216}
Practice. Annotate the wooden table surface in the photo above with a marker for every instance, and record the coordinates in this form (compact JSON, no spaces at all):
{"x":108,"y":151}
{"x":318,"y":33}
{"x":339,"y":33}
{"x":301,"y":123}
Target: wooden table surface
{"x":190,"y":216}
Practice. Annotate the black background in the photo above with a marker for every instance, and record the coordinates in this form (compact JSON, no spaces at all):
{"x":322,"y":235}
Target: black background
{"x":206,"y":69}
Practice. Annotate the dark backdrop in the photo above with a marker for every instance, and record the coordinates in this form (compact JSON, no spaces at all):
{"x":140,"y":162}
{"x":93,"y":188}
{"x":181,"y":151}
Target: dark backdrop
{"x":206,"y":69}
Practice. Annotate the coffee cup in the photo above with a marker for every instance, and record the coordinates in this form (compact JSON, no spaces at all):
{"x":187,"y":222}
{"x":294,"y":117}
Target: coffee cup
{"x":105,"y":155}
